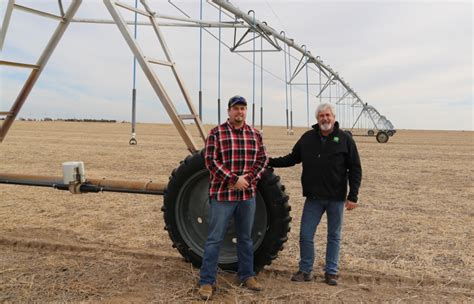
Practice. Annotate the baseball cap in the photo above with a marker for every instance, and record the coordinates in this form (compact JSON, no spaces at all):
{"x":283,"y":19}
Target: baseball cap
{"x":237,"y":100}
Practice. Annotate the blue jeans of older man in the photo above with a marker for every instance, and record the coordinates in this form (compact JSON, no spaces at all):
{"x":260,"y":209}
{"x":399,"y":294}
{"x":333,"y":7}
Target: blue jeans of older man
{"x":312,"y":213}
{"x":219,"y":218}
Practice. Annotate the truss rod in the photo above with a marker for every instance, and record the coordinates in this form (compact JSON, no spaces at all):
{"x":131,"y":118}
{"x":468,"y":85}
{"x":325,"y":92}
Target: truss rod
{"x":342,"y":97}
{"x":20,"y":65}
{"x":61,"y":9}
{"x":304,"y":83}
{"x":189,"y":22}
{"x":209,"y":24}
{"x":153,"y":79}
{"x":6,"y":22}
{"x":133,"y":9}
{"x":290,"y":42}
{"x":276,"y":41}
{"x":238,"y":53}
{"x":299,"y":67}
{"x":37,"y":12}
{"x":176,"y":73}
{"x":35,"y":73}
{"x":325,"y":86}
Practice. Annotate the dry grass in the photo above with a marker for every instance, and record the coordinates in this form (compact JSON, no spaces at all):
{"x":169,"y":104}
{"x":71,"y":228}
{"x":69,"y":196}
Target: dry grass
{"x":411,"y":239}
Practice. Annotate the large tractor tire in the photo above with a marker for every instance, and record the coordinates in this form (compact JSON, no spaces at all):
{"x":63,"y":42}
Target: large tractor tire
{"x":186,"y":211}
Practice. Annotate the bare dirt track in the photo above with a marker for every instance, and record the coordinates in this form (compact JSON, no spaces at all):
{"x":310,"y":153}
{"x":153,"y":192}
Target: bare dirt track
{"x":410,"y":240}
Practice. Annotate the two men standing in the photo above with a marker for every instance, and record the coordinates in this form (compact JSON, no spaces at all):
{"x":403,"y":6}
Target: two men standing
{"x":236,"y":158}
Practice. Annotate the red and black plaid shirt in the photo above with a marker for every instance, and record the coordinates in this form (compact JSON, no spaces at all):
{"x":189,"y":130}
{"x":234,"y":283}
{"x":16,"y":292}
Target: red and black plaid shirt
{"x":232,"y":152}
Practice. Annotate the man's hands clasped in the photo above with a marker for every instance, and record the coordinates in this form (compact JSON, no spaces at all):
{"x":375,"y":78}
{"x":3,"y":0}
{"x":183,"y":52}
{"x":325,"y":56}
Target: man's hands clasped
{"x":241,"y":183}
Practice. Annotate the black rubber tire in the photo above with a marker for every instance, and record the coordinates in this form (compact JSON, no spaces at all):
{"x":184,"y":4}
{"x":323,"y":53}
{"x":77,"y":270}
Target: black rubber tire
{"x":390,"y":133}
{"x":382,"y":137}
{"x":272,"y":209}
{"x":370,"y":133}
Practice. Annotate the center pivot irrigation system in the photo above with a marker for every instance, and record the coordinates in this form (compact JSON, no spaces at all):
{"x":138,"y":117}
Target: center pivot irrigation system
{"x":185,"y":204}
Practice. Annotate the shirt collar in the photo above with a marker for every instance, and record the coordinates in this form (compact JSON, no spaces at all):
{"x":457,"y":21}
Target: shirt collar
{"x":229,"y":125}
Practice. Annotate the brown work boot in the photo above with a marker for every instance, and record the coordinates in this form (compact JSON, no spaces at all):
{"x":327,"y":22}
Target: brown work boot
{"x":205,"y":291}
{"x":301,"y":276}
{"x":330,"y":279}
{"x":252,"y":284}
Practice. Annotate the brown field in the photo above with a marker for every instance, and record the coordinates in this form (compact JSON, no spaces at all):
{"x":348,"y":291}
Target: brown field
{"x":411,"y":239}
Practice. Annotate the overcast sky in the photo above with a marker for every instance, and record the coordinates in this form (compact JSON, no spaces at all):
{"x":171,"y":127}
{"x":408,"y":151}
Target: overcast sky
{"x":411,"y":60}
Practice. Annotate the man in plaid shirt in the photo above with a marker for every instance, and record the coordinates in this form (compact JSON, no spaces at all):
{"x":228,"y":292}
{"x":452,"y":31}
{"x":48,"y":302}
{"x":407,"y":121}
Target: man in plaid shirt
{"x":235,"y":157}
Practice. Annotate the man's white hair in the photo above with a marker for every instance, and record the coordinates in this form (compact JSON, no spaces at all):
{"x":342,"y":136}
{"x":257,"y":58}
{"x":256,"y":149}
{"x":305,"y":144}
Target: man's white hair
{"x":323,"y":107}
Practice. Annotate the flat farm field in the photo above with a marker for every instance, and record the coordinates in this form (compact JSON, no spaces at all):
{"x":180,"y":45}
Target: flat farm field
{"x":410,"y":240}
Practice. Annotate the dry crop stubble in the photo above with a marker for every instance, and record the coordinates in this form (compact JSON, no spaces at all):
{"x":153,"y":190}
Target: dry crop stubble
{"x":411,"y":238}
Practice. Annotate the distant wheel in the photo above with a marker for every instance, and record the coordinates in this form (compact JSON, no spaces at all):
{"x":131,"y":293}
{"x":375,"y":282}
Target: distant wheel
{"x":370,"y":133}
{"x":132,"y":141}
{"x":186,"y":208}
{"x":390,"y":133}
{"x":382,"y":137}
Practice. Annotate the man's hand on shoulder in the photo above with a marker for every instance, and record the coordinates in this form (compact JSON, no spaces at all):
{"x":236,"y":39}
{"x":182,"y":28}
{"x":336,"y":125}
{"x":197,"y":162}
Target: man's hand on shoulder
{"x":350,"y":205}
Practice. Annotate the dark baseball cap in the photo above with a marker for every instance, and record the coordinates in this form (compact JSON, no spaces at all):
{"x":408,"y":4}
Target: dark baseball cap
{"x":237,"y":100}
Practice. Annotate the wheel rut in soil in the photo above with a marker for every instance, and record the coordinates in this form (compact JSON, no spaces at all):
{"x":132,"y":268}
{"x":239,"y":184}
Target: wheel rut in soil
{"x":47,"y":247}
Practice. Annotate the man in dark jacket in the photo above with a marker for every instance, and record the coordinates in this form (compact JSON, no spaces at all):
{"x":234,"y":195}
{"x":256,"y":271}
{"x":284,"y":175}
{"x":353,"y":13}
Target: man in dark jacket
{"x":330,"y":161}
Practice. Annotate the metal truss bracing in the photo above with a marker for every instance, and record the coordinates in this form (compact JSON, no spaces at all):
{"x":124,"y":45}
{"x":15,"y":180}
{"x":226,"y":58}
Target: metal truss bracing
{"x":37,"y":68}
{"x":257,"y":33}
{"x":345,"y":98}
{"x":146,"y":63}
{"x":351,"y":110}
{"x":381,"y":123}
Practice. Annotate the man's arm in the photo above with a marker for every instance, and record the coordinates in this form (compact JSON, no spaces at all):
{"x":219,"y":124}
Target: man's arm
{"x":213,"y":163}
{"x":288,"y":160}
{"x":355,"y":171}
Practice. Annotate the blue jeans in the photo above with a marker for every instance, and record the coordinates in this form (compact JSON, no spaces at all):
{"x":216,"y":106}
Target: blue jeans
{"x":220,"y":214}
{"x":312,"y":213}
